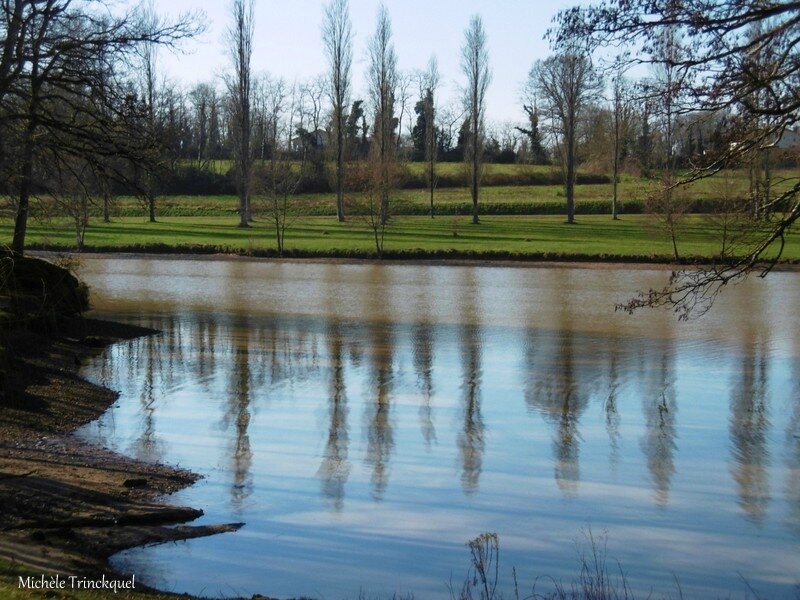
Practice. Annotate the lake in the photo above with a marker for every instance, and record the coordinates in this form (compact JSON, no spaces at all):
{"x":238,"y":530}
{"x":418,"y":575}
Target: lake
{"x":365,"y":421}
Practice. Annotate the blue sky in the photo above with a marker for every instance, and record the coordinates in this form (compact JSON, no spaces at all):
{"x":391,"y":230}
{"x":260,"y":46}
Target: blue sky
{"x":287,"y":41}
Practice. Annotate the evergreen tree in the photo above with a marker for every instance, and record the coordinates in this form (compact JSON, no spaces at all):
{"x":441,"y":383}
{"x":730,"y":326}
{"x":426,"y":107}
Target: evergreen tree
{"x":537,"y":153}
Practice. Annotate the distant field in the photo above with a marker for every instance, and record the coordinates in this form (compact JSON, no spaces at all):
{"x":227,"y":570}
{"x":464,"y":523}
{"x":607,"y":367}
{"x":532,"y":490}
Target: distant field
{"x":449,"y":168}
{"x":737,"y":178}
{"x":401,"y":200}
{"x":517,"y":222}
{"x":222,"y":166}
{"x":633,"y":238}
{"x":512,"y":199}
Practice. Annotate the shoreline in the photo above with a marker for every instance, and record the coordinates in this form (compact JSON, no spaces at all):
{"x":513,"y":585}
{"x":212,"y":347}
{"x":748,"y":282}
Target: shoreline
{"x":69,"y":505}
{"x":577,"y":262}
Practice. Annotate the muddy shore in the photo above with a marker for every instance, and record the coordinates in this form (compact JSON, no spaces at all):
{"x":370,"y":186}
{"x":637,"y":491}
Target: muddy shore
{"x":68,"y":505}
{"x":450,"y":260}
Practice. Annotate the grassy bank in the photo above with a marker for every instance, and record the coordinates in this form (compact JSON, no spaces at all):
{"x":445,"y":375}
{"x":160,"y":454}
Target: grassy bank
{"x":635,"y":237}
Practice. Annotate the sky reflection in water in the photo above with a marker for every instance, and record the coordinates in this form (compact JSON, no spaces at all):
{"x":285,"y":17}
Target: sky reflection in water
{"x":366,"y":421}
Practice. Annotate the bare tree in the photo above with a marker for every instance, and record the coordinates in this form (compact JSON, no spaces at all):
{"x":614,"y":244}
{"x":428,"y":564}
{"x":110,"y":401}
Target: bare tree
{"x":268,"y":96}
{"x":73,"y":186}
{"x":475,"y":66}
{"x":367,"y":176}
{"x":429,"y":83}
{"x":312,"y":94}
{"x":449,"y":117}
{"x":722,"y":63}
{"x":148,"y":55}
{"x":621,"y":115}
{"x":240,"y":46}
{"x":762,"y":63}
{"x":566,"y":83}
{"x":283,"y":174}
{"x":666,"y":91}
{"x":308,"y":129}
{"x":203,"y":100}
{"x":404,"y":83}
{"x":260,"y":116}
{"x":382,"y":77}
{"x":337,"y":35}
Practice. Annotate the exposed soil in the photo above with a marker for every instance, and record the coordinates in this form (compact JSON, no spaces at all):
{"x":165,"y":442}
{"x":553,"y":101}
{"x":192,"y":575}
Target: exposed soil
{"x":65,"y":505}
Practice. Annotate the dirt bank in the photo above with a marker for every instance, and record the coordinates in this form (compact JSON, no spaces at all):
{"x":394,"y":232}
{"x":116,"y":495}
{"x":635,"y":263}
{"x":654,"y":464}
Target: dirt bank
{"x":522,"y":263}
{"x":66,"y":505}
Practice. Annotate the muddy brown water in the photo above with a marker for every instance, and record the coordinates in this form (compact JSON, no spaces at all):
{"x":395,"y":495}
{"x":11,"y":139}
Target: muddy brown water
{"x":366,"y":421}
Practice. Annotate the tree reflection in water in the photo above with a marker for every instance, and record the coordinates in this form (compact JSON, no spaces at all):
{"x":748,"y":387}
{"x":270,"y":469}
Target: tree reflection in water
{"x":335,"y":468}
{"x":423,"y":342}
{"x":749,"y":423}
{"x":247,"y":362}
{"x":151,"y":360}
{"x":406,"y":391}
{"x":377,"y":411}
{"x":237,"y":416}
{"x":471,"y":443}
{"x":793,"y":449}
{"x":611,"y":408}
{"x":558,"y":386}
{"x":792,"y":436}
{"x":660,"y":409}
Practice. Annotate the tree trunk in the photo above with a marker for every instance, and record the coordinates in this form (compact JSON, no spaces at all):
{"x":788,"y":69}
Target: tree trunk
{"x":614,"y":199}
{"x":431,"y":147}
{"x":430,"y":183}
{"x":616,"y":163}
{"x":384,"y":207}
{"x":475,"y":168}
{"x":106,"y":201}
{"x":244,"y":177}
{"x":23,"y":206}
{"x":21,"y":221}
{"x":385,"y":148}
{"x":151,"y":205}
{"x":767,"y":182}
{"x":569,"y":175}
{"x":339,"y":166}
{"x":244,"y":221}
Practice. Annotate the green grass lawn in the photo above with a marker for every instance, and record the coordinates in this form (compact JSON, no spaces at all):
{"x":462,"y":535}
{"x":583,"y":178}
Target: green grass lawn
{"x":635,"y":237}
{"x":401,"y":199}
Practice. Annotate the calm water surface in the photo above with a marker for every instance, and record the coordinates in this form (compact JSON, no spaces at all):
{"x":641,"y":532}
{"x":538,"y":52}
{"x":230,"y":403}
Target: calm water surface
{"x":365,"y":421}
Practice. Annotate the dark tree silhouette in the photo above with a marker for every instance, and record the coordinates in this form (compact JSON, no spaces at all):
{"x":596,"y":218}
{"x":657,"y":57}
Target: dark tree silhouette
{"x":62,"y":98}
